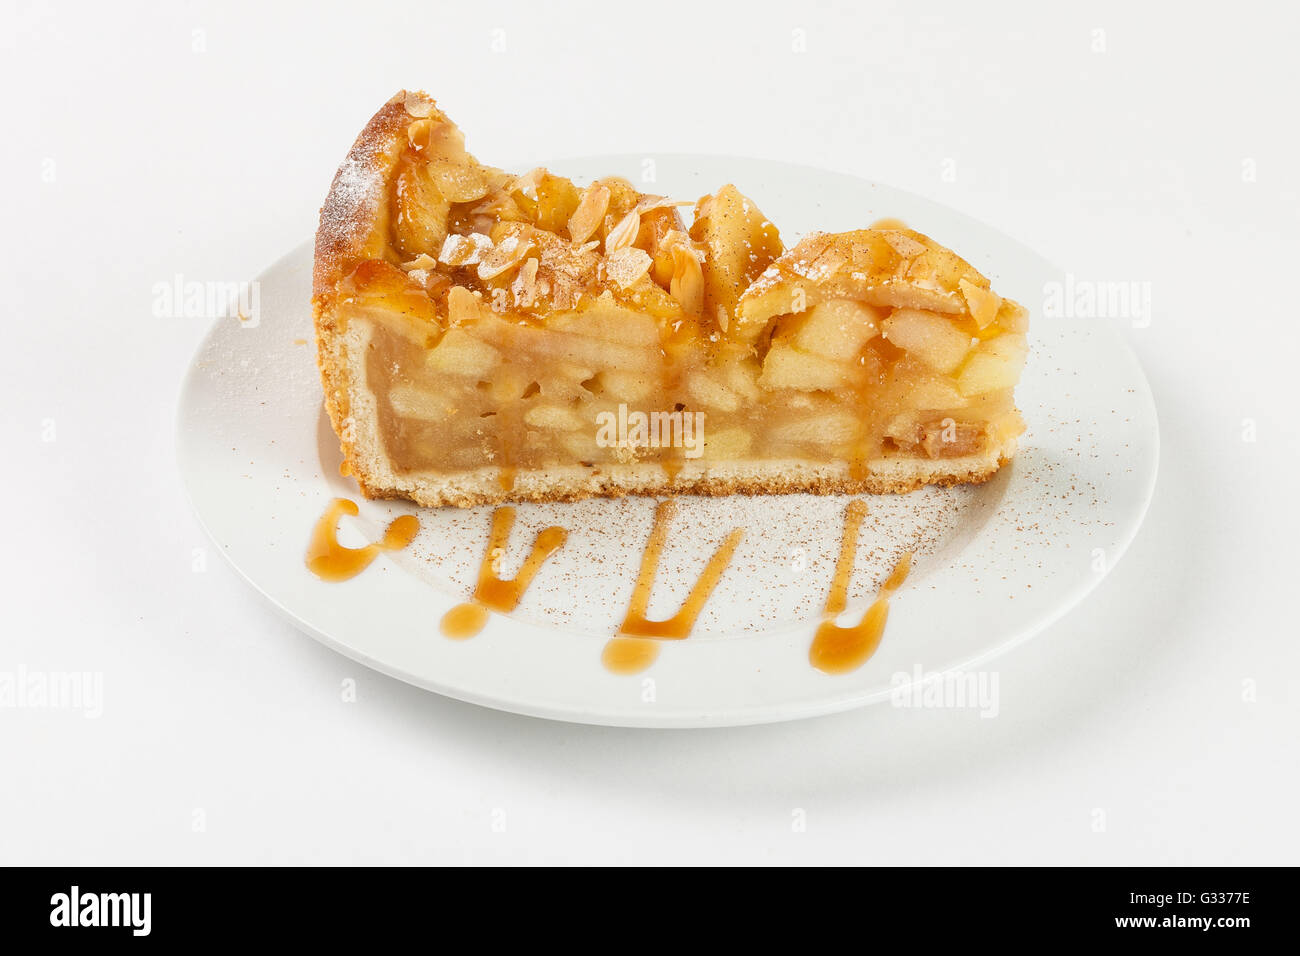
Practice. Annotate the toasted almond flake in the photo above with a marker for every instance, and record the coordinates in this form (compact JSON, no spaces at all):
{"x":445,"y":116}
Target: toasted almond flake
{"x":983,"y":303}
{"x":525,"y":285}
{"x":903,"y":244}
{"x":527,"y":184}
{"x":422,"y":262}
{"x":590,"y":212}
{"x":466,"y":250}
{"x":627,"y":265}
{"x":505,"y":256}
{"x":587,"y":247}
{"x":624,"y":233}
{"x":651,"y":203}
{"x":674,"y":239}
{"x":417,"y":105}
{"x":723,"y":319}
{"x":462,"y":304}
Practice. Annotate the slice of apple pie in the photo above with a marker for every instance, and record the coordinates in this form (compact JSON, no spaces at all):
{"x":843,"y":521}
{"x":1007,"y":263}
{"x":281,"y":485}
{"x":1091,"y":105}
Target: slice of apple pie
{"x":486,"y":337}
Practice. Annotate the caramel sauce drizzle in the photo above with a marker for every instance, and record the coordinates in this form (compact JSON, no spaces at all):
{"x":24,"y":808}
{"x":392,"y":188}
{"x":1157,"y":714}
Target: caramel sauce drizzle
{"x":834,"y":650}
{"x":838,"y":650}
{"x":331,"y":561}
{"x":494,"y":593}
{"x":636,"y":645}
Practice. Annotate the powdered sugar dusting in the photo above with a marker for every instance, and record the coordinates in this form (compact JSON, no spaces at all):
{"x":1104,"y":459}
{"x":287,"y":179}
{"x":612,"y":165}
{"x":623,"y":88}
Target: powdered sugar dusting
{"x":354,"y":196}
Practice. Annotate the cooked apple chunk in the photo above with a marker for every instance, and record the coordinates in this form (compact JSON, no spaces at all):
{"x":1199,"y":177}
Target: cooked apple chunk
{"x":739,"y":242}
{"x":930,"y":336}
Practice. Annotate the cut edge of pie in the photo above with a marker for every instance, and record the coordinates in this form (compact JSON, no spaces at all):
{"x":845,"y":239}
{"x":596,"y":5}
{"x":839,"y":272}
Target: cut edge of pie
{"x":472,"y":325}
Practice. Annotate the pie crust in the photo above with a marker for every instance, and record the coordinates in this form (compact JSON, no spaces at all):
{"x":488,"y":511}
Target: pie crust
{"x":485,"y":337}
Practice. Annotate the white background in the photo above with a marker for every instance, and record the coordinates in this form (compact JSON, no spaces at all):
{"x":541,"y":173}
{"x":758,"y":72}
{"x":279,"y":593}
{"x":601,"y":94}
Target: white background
{"x":200,"y":139}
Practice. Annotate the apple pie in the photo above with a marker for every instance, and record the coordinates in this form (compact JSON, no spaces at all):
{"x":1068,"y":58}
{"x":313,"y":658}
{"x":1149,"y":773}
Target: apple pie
{"x":487,"y":337}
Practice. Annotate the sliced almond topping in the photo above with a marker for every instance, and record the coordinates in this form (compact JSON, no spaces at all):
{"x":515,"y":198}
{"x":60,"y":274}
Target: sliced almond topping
{"x":675,"y":238}
{"x":983,"y":303}
{"x":466,"y":250}
{"x":525,"y":285}
{"x":527,"y":183}
{"x":590,"y":212}
{"x":623,"y":234}
{"x":423,"y":262}
{"x":417,"y":105}
{"x":903,"y":244}
{"x":462,"y":304}
{"x":504,"y":256}
{"x":627,"y":265}
{"x":651,"y":203}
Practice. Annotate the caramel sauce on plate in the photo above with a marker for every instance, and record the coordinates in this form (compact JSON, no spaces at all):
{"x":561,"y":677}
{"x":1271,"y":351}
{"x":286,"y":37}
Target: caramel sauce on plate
{"x":629,"y":655}
{"x":838,"y":650}
{"x":630,"y":652}
{"x":331,"y":561}
{"x":464,"y":621}
{"x":492,"y":591}
{"x":834,"y":650}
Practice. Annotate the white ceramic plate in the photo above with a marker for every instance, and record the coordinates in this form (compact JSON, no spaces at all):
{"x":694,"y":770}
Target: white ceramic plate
{"x":995,"y":564}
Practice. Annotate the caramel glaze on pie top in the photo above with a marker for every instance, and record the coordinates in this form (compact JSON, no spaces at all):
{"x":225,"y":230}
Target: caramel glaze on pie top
{"x":471,"y":322}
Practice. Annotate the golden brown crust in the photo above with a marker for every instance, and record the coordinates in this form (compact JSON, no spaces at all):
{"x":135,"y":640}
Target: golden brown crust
{"x":353,"y":223}
{"x":705,"y":487}
{"x":357,"y":202}
{"x":436,"y":491}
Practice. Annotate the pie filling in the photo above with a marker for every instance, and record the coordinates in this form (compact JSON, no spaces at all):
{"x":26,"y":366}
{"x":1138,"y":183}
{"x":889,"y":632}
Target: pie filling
{"x":519,"y":323}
